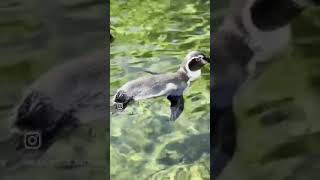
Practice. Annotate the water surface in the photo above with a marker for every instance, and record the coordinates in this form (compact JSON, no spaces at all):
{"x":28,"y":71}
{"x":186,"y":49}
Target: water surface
{"x":156,"y":36}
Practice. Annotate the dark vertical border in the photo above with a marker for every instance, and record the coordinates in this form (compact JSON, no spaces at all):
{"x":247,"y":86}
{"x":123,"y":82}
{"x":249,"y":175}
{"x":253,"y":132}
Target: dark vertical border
{"x":211,"y":86}
{"x":107,"y":65}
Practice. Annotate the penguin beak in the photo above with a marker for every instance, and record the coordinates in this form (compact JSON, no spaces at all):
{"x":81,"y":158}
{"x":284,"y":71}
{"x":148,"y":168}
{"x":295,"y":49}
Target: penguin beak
{"x":205,"y":60}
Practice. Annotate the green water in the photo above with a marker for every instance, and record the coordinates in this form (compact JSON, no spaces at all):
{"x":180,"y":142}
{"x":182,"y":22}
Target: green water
{"x":37,"y":36}
{"x":278,"y":114}
{"x":156,"y":36}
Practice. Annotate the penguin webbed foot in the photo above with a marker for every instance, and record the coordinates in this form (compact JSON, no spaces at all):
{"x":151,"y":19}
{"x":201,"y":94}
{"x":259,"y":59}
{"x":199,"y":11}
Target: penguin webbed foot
{"x":177,"y":106}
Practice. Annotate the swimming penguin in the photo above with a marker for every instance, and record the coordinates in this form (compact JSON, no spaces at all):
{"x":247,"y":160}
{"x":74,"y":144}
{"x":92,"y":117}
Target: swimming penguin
{"x":64,"y":99}
{"x":171,"y":85}
{"x":252,"y":32}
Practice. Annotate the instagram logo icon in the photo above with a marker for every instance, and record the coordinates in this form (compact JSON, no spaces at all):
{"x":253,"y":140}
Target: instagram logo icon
{"x":32,"y":140}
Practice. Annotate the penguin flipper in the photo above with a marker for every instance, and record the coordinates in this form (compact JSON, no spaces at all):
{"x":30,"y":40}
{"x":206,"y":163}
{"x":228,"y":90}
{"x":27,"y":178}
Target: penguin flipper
{"x":177,"y":106}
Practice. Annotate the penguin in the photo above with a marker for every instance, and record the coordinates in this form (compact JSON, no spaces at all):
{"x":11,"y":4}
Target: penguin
{"x":64,"y":99}
{"x":252,"y":32}
{"x":171,"y":85}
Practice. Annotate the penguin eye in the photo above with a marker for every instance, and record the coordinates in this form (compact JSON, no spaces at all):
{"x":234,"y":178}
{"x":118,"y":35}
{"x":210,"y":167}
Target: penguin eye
{"x":196,"y":59}
{"x":199,"y":58}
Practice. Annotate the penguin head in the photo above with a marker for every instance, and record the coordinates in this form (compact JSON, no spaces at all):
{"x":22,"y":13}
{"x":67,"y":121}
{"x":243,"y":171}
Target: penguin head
{"x":193,"y":63}
{"x":195,"y":60}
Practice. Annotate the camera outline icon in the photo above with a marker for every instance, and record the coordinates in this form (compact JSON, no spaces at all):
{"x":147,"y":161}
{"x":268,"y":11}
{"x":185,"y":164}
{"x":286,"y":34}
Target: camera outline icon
{"x":119,"y":106}
{"x":32,"y":140}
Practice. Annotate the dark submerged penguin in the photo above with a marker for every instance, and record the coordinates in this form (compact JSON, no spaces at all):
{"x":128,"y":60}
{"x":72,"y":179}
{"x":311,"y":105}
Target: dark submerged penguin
{"x":171,"y":85}
{"x":64,"y":99}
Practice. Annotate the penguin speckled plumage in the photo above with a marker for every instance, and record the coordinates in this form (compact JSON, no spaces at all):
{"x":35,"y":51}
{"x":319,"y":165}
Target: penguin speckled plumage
{"x":171,"y":85}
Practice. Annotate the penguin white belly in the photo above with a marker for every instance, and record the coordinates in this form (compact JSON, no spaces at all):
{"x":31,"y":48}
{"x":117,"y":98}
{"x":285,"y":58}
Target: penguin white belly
{"x":264,"y":43}
{"x":151,"y":92}
{"x":154,"y":86}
